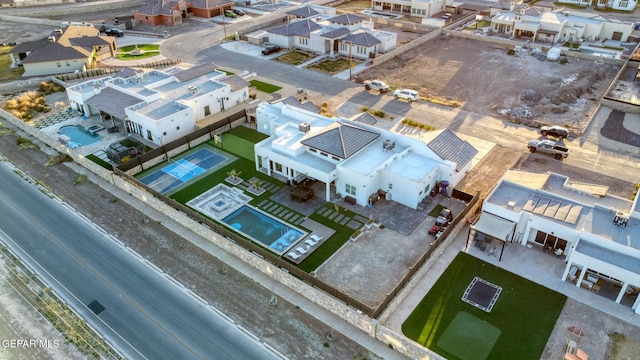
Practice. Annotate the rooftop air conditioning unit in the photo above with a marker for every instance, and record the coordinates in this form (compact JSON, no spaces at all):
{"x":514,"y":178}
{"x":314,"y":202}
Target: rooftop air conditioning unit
{"x":388,"y":144}
{"x":304,"y":127}
{"x":192,"y":90}
{"x":52,"y":39}
{"x":136,"y":79}
{"x":58,"y":31}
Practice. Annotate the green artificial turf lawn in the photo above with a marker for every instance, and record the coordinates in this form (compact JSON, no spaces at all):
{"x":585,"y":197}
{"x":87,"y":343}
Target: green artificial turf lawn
{"x":525,"y":313}
{"x":264,"y":87}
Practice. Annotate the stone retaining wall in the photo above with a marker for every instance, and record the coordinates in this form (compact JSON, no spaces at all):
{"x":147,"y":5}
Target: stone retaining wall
{"x":350,"y":315}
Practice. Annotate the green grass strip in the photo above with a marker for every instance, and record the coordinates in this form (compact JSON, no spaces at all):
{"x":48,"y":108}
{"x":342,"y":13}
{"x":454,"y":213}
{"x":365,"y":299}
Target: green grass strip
{"x":525,"y":312}
{"x":264,"y":87}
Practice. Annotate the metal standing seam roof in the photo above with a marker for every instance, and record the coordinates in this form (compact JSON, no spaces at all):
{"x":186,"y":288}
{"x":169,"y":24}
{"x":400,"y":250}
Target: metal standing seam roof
{"x":346,"y":19}
{"x":362,"y":39}
{"x":307,"y":105}
{"x":196,"y":71}
{"x":297,"y":28}
{"x":341,"y":140}
{"x":303,"y":12}
{"x":366,"y":118}
{"x":113,"y":102}
{"x":449,"y":146}
{"x":235,"y":82}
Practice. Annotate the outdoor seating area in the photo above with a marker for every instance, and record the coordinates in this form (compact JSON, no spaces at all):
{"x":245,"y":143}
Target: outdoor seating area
{"x":572,"y":351}
{"x":306,"y":247}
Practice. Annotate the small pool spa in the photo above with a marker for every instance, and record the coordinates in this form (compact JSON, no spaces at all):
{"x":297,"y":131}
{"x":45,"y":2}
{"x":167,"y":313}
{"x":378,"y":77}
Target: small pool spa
{"x":79,"y":135}
{"x":263,"y":229}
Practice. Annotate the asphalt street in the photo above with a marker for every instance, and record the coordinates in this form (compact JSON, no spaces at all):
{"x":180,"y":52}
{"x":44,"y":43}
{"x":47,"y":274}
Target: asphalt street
{"x":158,"y":319}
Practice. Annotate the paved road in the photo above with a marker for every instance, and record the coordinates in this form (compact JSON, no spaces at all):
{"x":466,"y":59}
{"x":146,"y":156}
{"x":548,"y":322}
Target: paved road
{"x":158,"y":319}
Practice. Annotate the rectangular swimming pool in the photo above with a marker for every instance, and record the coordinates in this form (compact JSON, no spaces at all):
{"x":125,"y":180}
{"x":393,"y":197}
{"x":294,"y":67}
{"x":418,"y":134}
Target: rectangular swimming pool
{"x":263,"y":229}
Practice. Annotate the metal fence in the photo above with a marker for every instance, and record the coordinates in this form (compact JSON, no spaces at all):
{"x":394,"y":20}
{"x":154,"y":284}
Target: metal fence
{"x":226,"y":125}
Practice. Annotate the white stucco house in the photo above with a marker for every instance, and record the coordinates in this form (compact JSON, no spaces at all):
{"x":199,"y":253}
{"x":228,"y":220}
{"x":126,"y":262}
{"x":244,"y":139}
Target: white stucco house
{"x":160,"y":105}
{"x":356,"y":158}
{"x":65,"y":50}
{"x":417,"y":8}
{"x":628,"y":5}
{"x":559,"y":25}
{"x":595,"y":233}
{"x":346,"y":34}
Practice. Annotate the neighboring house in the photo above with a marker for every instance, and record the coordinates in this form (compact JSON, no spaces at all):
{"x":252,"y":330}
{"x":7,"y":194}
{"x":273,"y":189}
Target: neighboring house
{"x":346,"y":34}
{"x":160,"y":106}
{"x":559,"y":25}
{"x":628,"y":5}
{"x":596,"y":234}
{"x":74,"y":48}
{"x":171,"y":12}
{"x":417,"y":8}
{"x":355,"y":158}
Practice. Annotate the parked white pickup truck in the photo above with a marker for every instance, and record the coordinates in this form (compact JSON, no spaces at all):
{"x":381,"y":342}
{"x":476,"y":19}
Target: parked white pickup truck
{"x":376,"y":85}
{"x":557,"y":149}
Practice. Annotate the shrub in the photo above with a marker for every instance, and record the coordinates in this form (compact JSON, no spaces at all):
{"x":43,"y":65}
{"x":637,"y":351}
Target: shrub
{"x":48,"y":87}
{"x":80,"y":179}
{"x":365,"y":108}
{"x":563,"y":61}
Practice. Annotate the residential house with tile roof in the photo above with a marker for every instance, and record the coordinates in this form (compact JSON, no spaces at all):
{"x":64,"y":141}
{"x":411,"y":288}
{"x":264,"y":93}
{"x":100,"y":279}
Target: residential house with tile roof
{"x":160,"y":105}
{"x":172,"y":12}
{"x":557,"y":25}
{"x":625,"y":5}
{"x":345,"y":34}
{"x":595,"y":233}
{"x":417,"y":8}
{"x":74,"y":48}
{"x":354,"y":158}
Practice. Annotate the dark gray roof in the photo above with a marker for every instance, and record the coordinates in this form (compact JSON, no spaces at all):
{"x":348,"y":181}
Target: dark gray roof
{"x":113,"y":102}
{"x":341,"y":140}
{"x":346,"y":19}
{"x":335,"y":33}
{"x":29,"y":46}
{"x":53,"y":52}
{"x":236,"y":82}
{"x":88,"y":41}
{"x":362,"y":39}
{"x":449,"y":146}
{"x":307,"y":105}
{"x":303,"y":12}
{"x":156,"y":7}
{"x":297,"y":28}
{"x":196,"y":71}
{"x":366,"y":118}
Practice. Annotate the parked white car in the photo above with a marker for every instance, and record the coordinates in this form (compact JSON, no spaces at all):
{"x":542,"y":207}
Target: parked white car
{"x":406,"y":94}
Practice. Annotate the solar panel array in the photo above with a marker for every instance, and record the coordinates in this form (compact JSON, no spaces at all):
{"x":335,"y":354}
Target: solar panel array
{"x":553,"y":208}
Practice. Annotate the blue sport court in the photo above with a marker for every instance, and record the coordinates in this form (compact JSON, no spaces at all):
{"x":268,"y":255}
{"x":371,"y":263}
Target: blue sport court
{"x":179,"y":171}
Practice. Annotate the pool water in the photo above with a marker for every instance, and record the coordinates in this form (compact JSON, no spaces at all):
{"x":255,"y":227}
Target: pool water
{"x":263,"y":228}
{"x":79,"y":135}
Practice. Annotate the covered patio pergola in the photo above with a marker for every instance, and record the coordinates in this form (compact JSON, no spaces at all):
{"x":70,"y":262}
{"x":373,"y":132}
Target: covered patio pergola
{"x":488,"y":228}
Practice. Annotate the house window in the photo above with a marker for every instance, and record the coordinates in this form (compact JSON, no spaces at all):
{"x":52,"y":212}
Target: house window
{"x":303,"y":40}
{"x":424,"y":12}
{"x":313,"y":150}
{"x":177,"y":127}
{"x":350,"y":189}
{"x":278,"y":167}
{"x":390,"y":186}
{"x":414,"y":11}
{"x":324,"y":154}
{"x":68,"y":63}
{"x":207,"y":110}
{"x":59,"y":65}
{"x":335,"y":158}
{"x":426,"y":188}
{"x":361,"y":50}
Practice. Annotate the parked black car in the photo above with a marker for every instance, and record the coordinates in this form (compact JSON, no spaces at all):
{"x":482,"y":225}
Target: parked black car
{"x":555,"y":131}
{"x":114,"y":32}
{"x":271,"y":50}
{"x":238,"y":12}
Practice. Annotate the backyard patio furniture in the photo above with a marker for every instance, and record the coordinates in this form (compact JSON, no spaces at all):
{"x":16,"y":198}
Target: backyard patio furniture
{"x":301,"y":193}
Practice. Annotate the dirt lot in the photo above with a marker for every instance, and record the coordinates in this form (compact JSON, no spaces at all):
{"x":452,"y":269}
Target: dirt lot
{"x":485,"y":80}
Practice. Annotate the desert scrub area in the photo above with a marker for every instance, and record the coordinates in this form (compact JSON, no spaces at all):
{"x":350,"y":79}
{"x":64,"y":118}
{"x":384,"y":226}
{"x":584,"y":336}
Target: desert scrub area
{"x":25,"y":105}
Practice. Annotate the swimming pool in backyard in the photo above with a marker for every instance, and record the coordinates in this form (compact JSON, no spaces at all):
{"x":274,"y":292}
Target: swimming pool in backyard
{"x":263,"y":229}
{"x":79,"y":135}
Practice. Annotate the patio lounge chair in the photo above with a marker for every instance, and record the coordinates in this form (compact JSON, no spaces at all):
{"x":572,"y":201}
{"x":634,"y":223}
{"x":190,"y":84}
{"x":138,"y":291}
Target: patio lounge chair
{"x":294,"y":255}
{"x":301,"y":250}
{"x":312,"y":240}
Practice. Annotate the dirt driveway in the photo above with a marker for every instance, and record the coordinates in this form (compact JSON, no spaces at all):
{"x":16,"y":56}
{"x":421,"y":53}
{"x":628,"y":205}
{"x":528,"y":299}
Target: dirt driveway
{"x":524,"y":88}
